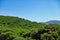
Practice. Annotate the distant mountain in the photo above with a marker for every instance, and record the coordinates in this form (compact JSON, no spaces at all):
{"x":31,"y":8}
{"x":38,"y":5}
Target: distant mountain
{"x":52,"y":22}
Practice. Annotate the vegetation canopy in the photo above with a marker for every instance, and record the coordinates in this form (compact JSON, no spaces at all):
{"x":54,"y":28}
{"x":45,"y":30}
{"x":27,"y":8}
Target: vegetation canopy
{"x":15,"y":28}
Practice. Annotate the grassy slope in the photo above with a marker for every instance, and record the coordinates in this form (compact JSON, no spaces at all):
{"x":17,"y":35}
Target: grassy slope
{"x":17,"y":27}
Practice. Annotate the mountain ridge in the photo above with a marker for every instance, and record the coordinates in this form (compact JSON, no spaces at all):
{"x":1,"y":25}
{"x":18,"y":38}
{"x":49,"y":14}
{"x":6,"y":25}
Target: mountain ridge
{"x":52,"y":22}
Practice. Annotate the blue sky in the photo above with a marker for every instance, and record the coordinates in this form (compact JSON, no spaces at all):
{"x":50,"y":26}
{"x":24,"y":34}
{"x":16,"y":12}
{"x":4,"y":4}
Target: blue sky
{"x":34,"y":10}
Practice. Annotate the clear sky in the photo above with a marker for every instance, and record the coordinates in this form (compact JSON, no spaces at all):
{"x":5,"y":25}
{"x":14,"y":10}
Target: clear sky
{"x":35,"y":10}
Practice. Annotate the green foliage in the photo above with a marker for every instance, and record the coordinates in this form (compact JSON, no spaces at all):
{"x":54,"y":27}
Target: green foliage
{"x":14,"y":28}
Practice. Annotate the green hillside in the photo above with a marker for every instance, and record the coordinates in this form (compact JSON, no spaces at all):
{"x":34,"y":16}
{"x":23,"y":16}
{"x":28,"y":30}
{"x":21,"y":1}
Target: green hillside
{"x":15,"y":28}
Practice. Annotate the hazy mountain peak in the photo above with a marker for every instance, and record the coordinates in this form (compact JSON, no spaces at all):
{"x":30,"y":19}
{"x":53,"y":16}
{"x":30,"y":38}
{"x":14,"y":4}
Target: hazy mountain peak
{"x":53,"y":22}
